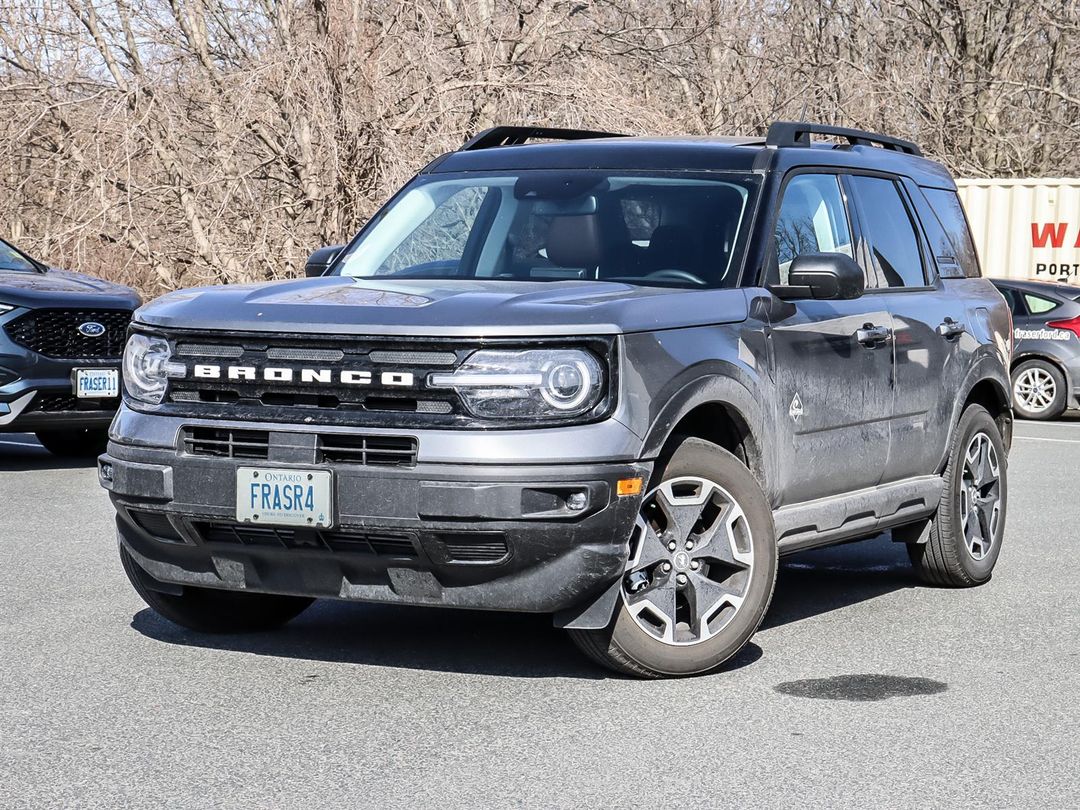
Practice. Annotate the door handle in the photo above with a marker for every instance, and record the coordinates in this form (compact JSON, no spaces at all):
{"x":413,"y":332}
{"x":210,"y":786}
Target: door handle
{"x":949,"y":329}
{"x":871,"y":335}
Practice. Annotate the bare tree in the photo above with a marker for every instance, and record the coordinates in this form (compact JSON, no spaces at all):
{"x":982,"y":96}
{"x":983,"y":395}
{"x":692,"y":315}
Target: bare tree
{"x":178,"y":142}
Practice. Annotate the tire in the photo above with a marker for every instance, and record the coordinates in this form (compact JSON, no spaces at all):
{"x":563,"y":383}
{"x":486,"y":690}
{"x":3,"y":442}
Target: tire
{"x":1039,"y":390}
{"x":952,"y":556}
{"x":76,"y":443}
{"x":730,"y":559}
{"x":208,"y":610}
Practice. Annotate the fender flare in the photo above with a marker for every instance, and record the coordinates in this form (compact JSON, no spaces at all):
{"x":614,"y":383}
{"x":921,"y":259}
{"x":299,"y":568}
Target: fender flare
{"x":987,"y":368}
{"x":718,"y":385}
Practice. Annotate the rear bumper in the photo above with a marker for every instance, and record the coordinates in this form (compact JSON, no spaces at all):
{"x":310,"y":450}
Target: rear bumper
{"x":483,"y":536}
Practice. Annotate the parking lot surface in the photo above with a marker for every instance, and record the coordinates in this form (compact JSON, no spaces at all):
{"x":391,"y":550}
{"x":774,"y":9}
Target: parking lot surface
{"x":863,"y":688}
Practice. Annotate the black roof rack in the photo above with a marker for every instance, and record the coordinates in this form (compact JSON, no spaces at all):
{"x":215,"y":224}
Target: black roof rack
{"x":512,"y":136}
{"x":797,"y":133}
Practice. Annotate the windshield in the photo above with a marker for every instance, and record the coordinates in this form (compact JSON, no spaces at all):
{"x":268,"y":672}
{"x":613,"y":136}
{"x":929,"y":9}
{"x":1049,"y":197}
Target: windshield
{"x":11,"y":259}
{"x":560,"y":225}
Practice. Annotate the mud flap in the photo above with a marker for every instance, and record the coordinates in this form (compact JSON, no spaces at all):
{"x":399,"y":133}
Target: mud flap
{"x":591,"y":615}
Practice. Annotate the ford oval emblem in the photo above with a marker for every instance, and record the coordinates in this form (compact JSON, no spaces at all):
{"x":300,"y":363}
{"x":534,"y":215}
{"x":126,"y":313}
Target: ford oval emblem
{"x":91,"y":329}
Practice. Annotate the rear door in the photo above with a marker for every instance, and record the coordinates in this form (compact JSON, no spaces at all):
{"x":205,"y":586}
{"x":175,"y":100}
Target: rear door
{"x":931,"y":342}
{"x":834,"y":394}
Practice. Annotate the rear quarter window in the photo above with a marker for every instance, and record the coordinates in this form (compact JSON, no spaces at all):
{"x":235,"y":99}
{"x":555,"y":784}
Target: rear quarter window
{"x":950,"y":214}
{"x":1037,"y":305}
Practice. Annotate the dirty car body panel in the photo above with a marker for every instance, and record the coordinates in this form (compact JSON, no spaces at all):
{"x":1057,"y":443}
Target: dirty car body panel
{"x":437,"y":504}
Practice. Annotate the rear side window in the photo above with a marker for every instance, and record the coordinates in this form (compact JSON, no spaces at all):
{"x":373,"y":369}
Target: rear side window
{"x":950,"y":214}
{"x":812,"y":219}
{"x":1037,"y":305}
{"x":893,"y":241}
{"x":1012,"y":298}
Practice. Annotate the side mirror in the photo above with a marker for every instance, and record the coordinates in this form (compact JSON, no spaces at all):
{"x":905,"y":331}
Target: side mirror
{"x":320,"y":260}
{"x":823,"y":276}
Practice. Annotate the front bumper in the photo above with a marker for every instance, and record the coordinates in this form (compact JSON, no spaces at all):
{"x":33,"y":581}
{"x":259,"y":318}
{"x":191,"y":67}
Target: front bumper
{"x":49,"y":403}
{"x":38,"y":392}
{"x":489,"y":536}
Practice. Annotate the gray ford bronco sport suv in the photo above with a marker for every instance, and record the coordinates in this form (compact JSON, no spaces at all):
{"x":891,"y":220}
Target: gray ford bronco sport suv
{"x":606,"y":378}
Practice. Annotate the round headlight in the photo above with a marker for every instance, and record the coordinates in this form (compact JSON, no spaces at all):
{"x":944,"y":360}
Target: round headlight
{"x":566,"y":384}
{"x":527,"y":384}
{"x":145,"y":373}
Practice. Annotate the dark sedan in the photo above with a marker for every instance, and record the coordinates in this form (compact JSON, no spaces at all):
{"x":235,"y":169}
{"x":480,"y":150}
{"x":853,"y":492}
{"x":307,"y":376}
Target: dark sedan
{"x":61,"y":340}
{"x":1046,"y":358}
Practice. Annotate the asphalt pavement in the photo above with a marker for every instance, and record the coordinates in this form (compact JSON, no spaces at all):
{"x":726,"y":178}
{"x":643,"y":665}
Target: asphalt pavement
{"x":863,"y":689}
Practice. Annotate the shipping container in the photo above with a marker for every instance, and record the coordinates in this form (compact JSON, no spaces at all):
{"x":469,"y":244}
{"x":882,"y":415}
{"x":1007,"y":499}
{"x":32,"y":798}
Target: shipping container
{"x":1027,"y":228}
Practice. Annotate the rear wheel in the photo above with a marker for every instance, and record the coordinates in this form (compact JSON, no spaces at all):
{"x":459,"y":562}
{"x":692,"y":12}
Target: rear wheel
{"x":1039,"y":390}
{"x":966,"y":533}
{"x":76,"y":443}
{"x":700,"y":573}
{"x":208,"y":610}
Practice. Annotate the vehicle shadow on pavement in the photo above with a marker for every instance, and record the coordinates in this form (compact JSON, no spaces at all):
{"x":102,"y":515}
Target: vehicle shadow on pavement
{"x":524,"y":645}
{"x":21,"y":453}
{"x":433,"y":639}
{"x":810,"y":583}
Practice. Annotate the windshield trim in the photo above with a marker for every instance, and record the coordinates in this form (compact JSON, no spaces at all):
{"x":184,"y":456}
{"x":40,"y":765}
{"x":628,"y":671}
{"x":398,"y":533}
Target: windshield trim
{"x":751,"y":183}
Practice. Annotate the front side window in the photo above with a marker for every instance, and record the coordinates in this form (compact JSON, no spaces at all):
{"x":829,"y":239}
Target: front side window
{"x":544,"y":225}
{"x":812,"y":219}
{"x":894,"y":244}
{"x":11,"y":259}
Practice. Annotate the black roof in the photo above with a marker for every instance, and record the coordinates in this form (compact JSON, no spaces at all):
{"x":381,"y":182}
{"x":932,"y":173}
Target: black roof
{"x":1058,"y":288}
{"x":691,"y":153}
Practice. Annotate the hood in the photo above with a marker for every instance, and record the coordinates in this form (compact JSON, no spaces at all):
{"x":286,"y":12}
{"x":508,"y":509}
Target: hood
{"x":443,"y":307}
{"x":62,"y":288}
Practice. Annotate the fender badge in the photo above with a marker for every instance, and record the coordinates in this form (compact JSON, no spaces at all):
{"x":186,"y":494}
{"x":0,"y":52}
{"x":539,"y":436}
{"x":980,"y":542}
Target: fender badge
{"x":796,"y":410}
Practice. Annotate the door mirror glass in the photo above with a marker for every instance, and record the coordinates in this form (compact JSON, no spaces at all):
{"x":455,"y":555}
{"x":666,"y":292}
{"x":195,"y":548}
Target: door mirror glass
{"x":822,"y":276}
{"x":320,"y":260}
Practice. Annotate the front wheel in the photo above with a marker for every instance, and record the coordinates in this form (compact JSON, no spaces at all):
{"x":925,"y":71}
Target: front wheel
{"x":966,"y":533}
{"x":208,"y":610}
{"x":700,"y":571}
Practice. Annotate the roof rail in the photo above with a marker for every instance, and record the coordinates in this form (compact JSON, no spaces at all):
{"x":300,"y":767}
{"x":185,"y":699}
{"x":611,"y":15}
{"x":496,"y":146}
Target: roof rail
{"x":513,"y":136}
{"x":797,"y":133}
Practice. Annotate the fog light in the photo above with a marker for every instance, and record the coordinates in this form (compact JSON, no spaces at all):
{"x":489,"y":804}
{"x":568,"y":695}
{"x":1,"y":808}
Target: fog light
{"x":106,"y":471}
{"x":576,"y":501}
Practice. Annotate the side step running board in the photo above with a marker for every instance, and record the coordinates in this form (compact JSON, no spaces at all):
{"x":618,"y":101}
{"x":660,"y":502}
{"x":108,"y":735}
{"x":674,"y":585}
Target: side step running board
{"x":857,"y":514}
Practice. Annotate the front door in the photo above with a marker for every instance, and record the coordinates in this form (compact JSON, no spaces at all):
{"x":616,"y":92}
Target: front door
{"x":832,"y":361}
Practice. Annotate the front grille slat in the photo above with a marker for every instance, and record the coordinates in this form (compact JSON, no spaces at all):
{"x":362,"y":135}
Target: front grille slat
{"x":387,"y":451}
{"x":400,"y":545}
{"x":226,"y":443}
{"x":331,"y":448}
{"x":156,"y":524}
{"x":54,"y":333}
{"x":62,"y":403}
{"x":330,"y":381}
{"x":473,"y":546}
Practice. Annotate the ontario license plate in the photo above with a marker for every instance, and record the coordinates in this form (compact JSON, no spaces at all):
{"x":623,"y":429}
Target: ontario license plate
{"x":97,"y":383}
{"x":284,"y":497}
